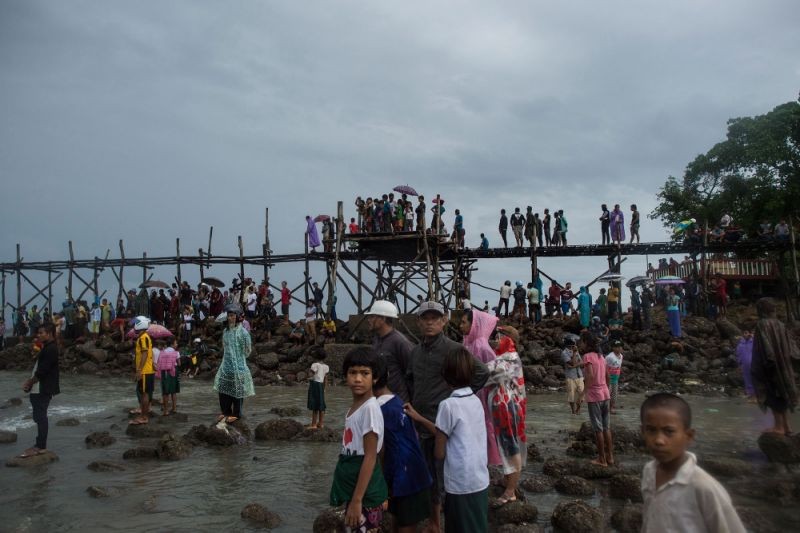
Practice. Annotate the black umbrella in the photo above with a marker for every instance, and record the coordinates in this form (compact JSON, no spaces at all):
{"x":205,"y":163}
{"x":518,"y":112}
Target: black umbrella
{"x":214,"y":282}
{"x":154,"y":284}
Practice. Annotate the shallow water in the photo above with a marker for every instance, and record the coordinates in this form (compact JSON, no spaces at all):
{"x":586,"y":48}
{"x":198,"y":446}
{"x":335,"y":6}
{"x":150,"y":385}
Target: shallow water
{"x":207,"y":491}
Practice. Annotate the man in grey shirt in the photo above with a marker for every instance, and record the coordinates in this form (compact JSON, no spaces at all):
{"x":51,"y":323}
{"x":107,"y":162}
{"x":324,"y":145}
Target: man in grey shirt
{"x":391,"y":345}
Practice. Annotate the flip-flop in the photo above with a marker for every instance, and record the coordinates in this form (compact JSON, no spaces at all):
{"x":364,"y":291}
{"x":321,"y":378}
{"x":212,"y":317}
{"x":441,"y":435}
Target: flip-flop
{"x":138,"y":422}
{"x":231,"y":419}
{"x":502,"y":500}
{"x":29,"y":453}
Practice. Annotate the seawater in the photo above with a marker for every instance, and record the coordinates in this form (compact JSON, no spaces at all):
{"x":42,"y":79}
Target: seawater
{"x":207,"y":491}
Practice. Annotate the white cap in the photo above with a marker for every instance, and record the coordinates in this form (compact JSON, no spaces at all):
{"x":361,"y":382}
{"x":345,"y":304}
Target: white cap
{"x":141,"y":323}
{"x":383,"y":308}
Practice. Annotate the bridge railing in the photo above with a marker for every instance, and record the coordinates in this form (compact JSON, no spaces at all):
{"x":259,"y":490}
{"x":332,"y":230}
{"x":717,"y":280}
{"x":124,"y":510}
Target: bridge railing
{"x":729,"y":268}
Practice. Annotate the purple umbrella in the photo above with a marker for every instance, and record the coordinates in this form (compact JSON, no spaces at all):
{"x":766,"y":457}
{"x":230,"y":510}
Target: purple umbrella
{"x":321,"y":218}
{"x":405,"y":189}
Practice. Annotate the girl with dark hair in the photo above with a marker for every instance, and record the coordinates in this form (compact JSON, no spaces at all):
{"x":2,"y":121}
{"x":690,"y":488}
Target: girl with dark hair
{"x":233,"y":381}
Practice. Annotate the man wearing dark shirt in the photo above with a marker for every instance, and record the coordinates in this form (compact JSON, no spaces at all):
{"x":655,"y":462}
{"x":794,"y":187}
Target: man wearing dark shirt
{"x":42,"y":386}
{"x":503,"y":228}
{"x":546,"y":224}
{"x":391,"y":345}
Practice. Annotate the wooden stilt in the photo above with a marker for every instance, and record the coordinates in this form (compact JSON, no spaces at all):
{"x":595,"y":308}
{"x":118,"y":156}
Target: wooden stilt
{"x":241,"y":268}
{"x":306,"y":275}
{"x":360,"y":298}
{"x":266,"y":251}
{"x":178,"y":279}
{"x":19,"y":278}
{"x":121,"y":271}
{"x":71,"y":271}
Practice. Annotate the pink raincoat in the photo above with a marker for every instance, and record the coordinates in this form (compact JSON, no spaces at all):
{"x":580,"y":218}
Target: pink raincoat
{"x":477,"y":342}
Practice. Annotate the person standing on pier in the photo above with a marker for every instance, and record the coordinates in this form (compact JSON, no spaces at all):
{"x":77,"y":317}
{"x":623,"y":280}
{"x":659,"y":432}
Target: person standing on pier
{"x":311,"y":234}
{"x":562,"y":227}
{"x":286,"y":301}
{"x":530,"y":225}
{"x":537,"y":224}
{"x":617,"y":225}
{"x":556,"y":229}
{"x":503,"y":227}
{"x":517,"y":225}
{"x":634,"y":223}
{"x":420,"y":211}
{"x":546,"y":225}
{"x":605,"y":220}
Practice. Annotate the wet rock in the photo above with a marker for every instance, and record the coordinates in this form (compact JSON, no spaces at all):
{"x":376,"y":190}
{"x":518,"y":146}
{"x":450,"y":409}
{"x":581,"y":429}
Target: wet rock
{"x":323,"y":434}
{"x":171,"y":419}
{"x":727,"y":467}
{"x":628,"y":519}
{"x":279,"y":429}
{"x":329,"y":521}
{"x":7,"y":437}
{"x":99,"y":439}
{"x":517,"y":528}
{"x":589,"y":470}
{"x":140,"y":452}
{"x":103,"y":492}
{"x":517,"y":512}
{"x":88,"y":368}
{"x":105,"y":466}
{"x":625,"y":440}
{"x":242,"y":427}
{"x":557,"y":467}
{"x":574,"y":486}
{"x":286,"y":411}
{"x":90,"y":349}
{"x":171,"y":448}
{"x":212,"y":436}
{"x":780,"y":449}
{"x":727,"y":329}
{"x":145,"y":431}
{"x":576,"y":516}
{"x":260,"y":516}
{"x":36,"y":460}
{"x":267,"y":361}
{"x":16,"y":402}
{"x":537,"y":483}
{"x":533,"y":453}
{"x":334,"y":356}
{"x":625,"y":487}
{"x":68,"y":422}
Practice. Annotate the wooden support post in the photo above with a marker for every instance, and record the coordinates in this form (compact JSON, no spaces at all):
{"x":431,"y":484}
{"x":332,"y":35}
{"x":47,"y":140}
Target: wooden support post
{"x":95,"y":290}
{"x":50,"y":289}
{"x":794,"y":264}
{"x":333,"y":265}
{"x":359,"y":304}
{"x":266,"y":250}
{"x":703,"y":300}
{"x":306,"y":274}
{"x":200,"y":253}
{"x":178,"y":262}
{"x":3,"y":295}
{"x":144,"y":267}
{"x":71,"y":271}
{"x":208,"y":250}
{"x":121,"y":270}
{"x":241,"y":268}
{"x":19,"y":279}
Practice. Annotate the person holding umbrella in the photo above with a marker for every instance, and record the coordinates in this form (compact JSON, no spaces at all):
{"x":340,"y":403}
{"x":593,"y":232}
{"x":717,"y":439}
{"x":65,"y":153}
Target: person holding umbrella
{"x":311,"y":233}
{"x":233,"y":381}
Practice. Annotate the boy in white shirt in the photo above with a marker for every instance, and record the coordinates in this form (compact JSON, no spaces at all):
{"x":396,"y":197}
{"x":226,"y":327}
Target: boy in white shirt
{"x":678,"y":494}
{"x":316,"y":390}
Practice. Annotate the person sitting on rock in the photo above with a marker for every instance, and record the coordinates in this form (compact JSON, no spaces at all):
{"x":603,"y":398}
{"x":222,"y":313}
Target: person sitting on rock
{"x":298,"y":333}
{"x":328,"y":329}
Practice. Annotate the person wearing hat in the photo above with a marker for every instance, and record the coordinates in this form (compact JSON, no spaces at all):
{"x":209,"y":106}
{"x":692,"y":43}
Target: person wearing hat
{"x":520,"y":298}
{"x":233,"y":381}
{"x":144,"y":371}
{"x":429,"y":388}
{"x":391,"y":345}
{"x":614,"y":369}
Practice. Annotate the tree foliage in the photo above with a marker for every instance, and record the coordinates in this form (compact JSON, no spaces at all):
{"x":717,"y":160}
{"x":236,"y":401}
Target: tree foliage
{"x":754,"y":174}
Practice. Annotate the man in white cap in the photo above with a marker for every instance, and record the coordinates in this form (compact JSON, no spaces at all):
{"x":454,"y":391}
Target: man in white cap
{"x":144,"y":373}
{"x":391,"y":345}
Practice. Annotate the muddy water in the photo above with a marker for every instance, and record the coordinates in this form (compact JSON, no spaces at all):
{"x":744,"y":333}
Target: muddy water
{"x":207,"y":491}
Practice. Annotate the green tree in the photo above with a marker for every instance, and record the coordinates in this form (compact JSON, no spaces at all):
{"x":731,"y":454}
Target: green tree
{"x":752,"y":175}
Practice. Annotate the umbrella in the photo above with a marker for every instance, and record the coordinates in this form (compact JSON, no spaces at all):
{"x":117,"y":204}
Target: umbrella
{"x":638,"y":280}
{"x":154,"y":284}
{"x":321,"y":218}
{"x":405,"y":189}
{"x":669,"y":280}
{"x":155,"y":331}
{"x":214,"y":282}
{"x":611,"y":277}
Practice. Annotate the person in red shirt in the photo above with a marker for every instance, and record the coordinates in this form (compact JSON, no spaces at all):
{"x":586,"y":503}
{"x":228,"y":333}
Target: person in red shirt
{"x":553,"y":299}
{"x":286,"y":300}
{"x":354,"y":227}
{"x":720,"y":293}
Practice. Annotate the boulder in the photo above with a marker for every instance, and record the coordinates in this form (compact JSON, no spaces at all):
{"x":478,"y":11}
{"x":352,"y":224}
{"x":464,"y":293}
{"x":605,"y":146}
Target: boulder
{"x":334,"y":356}
{"x":286,"y":411}
{"x":146,"y":431}
{"x":589,"y":470}
{"x":260,"y":516}
{"x":68,"y":422}
{"x":727,"y":329}
{"x":171,"y":448}
{"x":779,"y":448}
{"x":574,"y":486}
{"x":90,"y":349}
{"x":88,"y":368}
{"x":626,"y":487}
{"x":36,"y":460}
{"x":516,"y":512}
{"x":7,"y":437}
{"x":102,"y":492}
{"x":534,"y":374}
{"x":267,"y":361}
{"x":518,"y":528}
{"x":557,"y":467}
{"x":105,"y":466}
{"x":727,"y":467}
{"x":329,"y":521}
{"x":99,"y":439}
{"x":628,"y":519}
{"x":172,"y":419}
{"x":323,"y":434}
{"x":140,"y":452}
{"x":537,"y":483}
{"x":576,"y":516}
{"x":278,"y":429}
{"x":214,"y":436}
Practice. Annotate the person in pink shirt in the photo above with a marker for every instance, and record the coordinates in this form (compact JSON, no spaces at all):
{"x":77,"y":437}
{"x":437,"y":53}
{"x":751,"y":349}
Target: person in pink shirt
{"x":598,"y":399}
{"x":166,"y":370}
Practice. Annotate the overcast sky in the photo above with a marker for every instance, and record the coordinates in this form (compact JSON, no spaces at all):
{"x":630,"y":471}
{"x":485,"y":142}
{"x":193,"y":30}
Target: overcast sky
{"x":151,"y":120}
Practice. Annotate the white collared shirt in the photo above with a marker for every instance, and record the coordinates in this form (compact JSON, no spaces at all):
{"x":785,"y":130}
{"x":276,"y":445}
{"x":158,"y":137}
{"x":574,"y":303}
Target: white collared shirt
{"x":692,"y":501}
{"x":461,"y":418}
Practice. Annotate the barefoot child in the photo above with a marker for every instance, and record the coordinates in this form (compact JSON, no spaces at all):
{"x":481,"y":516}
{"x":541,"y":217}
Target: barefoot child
{"x":358,"y":480}
{"x":597,"y":399}
{"x":404,"y":465}
{"x":614,"y":369}
{"x":167,"y":370}
{"x":316,"y":390}
{"x":678,"y":494}
{"x":461,"y":442}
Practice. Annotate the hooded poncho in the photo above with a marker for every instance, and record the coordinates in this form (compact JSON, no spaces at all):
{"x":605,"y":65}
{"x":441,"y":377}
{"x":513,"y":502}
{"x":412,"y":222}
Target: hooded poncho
{"x":233,"y":376}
